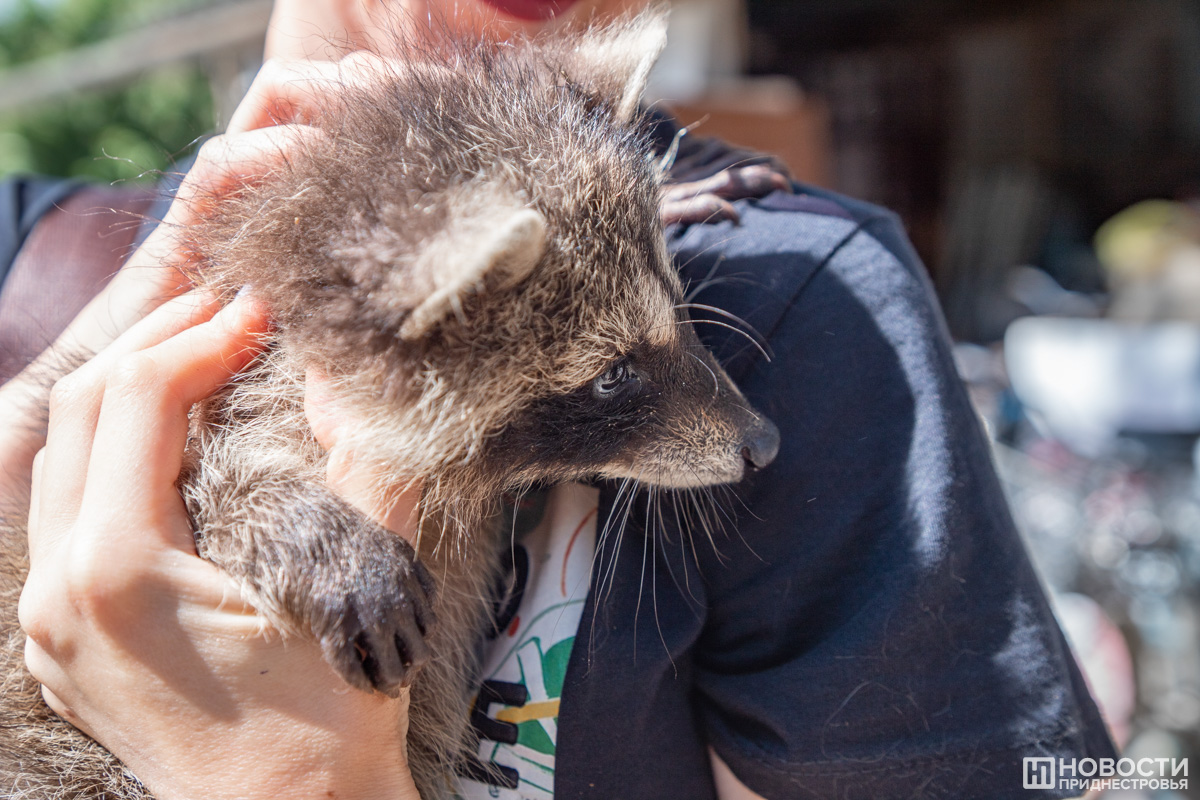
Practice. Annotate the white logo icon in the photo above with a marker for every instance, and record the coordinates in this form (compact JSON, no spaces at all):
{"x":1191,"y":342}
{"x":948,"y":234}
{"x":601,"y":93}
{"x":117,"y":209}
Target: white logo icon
{"x":1038,"y":772}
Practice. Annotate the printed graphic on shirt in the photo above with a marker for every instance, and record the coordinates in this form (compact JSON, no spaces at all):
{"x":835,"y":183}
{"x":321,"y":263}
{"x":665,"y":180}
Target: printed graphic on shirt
{"x":552,"y":568}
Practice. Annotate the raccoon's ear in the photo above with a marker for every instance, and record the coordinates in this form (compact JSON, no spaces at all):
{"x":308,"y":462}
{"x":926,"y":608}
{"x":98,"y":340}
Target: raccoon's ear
{"x":615,"y":61}
{"x":491,"y":251}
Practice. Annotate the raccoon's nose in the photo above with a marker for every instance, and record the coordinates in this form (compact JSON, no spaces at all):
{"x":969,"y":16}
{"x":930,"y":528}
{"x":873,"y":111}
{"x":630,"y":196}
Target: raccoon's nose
{"x":760,"y":445}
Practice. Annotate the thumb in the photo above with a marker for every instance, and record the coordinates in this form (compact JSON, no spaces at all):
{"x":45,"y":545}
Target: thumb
{"x":368,"y":485}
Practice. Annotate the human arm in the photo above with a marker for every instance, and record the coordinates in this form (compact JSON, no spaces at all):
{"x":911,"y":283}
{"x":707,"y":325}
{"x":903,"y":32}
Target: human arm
{"x":727,"y":784}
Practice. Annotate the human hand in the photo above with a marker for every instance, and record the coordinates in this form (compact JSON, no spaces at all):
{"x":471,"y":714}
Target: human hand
{"x":144,"y":646}
{"x":151,"y":276}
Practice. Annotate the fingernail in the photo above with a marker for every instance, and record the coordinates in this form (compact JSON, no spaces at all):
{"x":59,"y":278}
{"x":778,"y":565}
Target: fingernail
{"x":245,"y":311}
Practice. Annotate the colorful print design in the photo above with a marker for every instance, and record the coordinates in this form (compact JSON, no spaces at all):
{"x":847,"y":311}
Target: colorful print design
{"x":535,"y":648}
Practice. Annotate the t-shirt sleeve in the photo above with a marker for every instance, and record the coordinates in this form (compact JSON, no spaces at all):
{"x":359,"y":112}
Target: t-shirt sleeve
{"x":875,"y":630}
{"x":23,"y":201}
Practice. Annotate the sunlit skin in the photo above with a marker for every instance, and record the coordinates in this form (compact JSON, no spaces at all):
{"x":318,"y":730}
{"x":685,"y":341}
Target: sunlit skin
{"x":117,"y":600}
{"x":327,"y":29}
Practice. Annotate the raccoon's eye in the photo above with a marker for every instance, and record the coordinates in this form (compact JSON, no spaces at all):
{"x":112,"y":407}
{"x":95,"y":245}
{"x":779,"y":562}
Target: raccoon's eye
{"x":618,"y":376}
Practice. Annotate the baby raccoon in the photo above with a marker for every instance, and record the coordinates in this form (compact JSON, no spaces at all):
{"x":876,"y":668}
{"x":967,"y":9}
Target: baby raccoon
{"x":471,"y":255}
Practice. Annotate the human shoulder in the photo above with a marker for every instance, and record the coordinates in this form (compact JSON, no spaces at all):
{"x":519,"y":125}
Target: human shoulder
{"x":808,"y":253}
{"x":24,"y":200}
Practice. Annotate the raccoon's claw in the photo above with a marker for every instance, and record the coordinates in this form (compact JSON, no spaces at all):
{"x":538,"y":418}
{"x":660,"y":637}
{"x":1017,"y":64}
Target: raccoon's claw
{"x":707,"y":200}
{"x":377,"y":638}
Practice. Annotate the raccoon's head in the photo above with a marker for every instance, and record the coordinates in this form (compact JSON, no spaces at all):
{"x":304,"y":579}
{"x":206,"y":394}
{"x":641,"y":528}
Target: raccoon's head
{"x":474,"y":253}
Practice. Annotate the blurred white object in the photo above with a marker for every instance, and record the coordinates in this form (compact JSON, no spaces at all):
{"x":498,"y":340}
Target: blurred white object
{"x":706,"y":45}
{"x":1088,"y":380}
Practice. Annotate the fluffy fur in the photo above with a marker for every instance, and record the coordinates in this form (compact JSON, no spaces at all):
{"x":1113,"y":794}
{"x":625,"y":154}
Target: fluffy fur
{"x":470,"y":252}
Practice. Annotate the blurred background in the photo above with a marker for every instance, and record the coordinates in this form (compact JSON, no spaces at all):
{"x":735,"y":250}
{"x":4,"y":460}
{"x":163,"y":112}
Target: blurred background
{"x":1043,"y":154}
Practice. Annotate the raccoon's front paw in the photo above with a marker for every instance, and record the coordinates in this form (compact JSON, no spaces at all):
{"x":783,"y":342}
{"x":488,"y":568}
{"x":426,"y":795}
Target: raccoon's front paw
{"x":708,"y":200}
{"x":374,"y":633}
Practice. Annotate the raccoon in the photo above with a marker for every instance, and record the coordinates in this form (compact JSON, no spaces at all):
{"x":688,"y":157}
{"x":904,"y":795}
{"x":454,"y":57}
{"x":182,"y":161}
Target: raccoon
{"x":471,"y":255}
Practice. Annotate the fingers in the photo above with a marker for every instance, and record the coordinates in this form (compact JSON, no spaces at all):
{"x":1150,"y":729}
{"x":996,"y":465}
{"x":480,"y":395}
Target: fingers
{"x":155,"y":272}
{"x":66,"y":712}
{"x":291,"y":91}
{"x":756,"y":180}
{"x":142,"y":427}
{"x":46,"y":671}
{"x":75,"y":405}
{"x":284,"y":92}
{"x":705,"y":208}
{"x":147,"y":380}
{"x":105,"y":487}
{"x":226,"y":163}
{"x":373,"y":488}
{"x":736,"y":183}
{"x":33,"y":530}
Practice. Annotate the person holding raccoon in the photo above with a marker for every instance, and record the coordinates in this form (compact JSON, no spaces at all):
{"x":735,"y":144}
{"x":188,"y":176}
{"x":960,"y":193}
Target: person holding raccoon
{"x":874,"y":629}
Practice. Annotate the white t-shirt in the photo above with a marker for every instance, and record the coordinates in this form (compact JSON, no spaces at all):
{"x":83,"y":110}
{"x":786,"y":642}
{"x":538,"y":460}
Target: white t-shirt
{"x":536,"y":646}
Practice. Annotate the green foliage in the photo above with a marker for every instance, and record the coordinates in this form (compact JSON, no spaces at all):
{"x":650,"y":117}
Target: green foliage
{"x":111,"y":135}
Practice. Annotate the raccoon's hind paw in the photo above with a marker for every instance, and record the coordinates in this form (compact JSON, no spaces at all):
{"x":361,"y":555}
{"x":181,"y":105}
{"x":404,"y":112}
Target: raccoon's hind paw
{"x":375,"y":637}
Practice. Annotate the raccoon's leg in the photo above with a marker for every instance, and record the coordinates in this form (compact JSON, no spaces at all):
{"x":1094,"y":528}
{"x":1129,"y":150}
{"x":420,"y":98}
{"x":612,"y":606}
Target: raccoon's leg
{"x":312,"y":563}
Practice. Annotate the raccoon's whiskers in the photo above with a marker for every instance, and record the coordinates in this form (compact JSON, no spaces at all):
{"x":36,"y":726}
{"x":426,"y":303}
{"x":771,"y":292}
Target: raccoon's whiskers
{"x":608,"y":570}
{"x":652,"y":498}
{"x":729,"y":491}
{"x":613,"y":526}
{"x":706,"y":524}
{"x":708,"y":283}
{"x":683,"y":535}
{"x":716,"y":383}
{"x":712,"y":246}
{"x":713,"y":512}
{"x":733,"y":328}
{"x":637,"y":610}
{"x":745,"y":328}
{"x":668,"y":159}
{"x":723,"y":313}
{"x":626,"y":514}
{"x":690,"y":291}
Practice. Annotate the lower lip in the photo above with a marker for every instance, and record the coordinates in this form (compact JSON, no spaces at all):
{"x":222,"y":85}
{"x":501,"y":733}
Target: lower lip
{"x":532,"y":10}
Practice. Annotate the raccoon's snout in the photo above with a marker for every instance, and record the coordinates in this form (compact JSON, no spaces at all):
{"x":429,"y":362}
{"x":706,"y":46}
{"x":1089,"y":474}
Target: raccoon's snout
{"x":760,"y":444}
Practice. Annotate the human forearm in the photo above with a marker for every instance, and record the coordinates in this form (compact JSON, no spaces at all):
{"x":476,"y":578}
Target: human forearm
{"x":728,"y":785}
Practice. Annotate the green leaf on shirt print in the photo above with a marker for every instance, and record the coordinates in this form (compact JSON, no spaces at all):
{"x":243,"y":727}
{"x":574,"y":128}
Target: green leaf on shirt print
{"x":531,"y":734}
{"x":554,"y":666}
